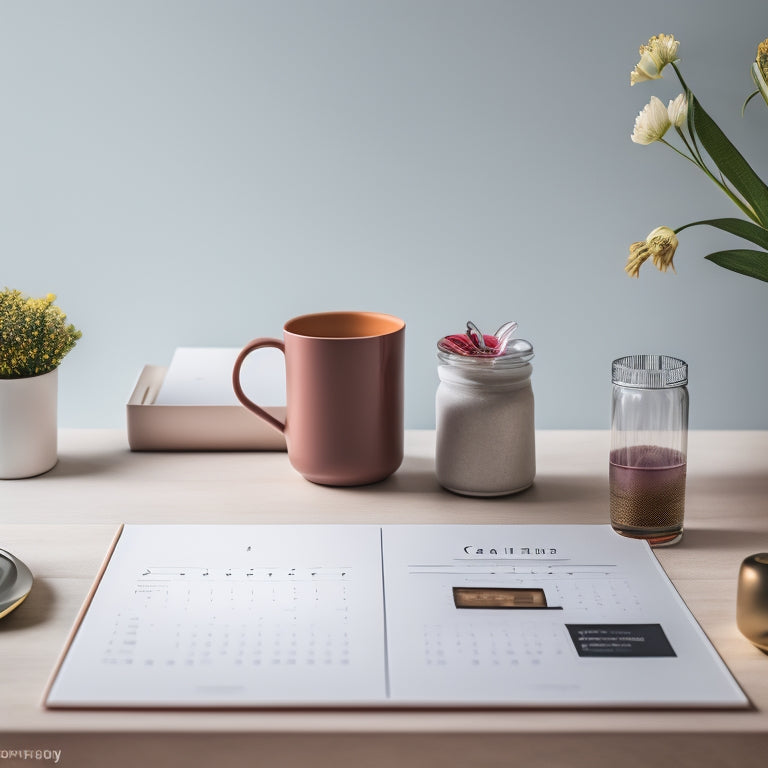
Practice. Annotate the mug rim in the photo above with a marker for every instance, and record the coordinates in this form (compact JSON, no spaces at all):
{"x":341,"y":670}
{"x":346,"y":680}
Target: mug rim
{"x":396,"y":324}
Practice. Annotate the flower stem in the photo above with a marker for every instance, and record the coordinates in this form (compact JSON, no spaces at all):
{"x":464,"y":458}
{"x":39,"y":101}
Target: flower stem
{"x":693,"y":160}
{"x":679,"y":76}
{"x":692,"y":146}
{"x":697,"y":151}
{"x":749,"y":98}
{"x":697,"y":161}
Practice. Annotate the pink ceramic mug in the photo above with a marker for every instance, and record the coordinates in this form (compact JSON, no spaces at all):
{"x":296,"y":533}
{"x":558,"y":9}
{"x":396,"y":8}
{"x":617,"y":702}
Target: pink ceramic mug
{"x":344,"y":395}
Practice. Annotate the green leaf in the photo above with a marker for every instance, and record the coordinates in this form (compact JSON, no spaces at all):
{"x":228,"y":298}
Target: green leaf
{"x":744,"y":261}
{"x":744,"y":229}
{"x":728,"y":159}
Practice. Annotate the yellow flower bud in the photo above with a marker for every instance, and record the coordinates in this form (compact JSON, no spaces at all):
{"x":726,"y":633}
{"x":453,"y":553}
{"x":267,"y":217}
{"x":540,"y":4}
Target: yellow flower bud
{"x":659,"y":246}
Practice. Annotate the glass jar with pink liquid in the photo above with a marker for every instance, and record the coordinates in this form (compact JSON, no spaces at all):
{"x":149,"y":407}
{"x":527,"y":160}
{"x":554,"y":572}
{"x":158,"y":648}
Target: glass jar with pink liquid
{"x":649,"y":447}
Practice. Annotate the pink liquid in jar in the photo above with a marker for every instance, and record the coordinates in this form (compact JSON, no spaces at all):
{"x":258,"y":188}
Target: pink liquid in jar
{"x":647,"y":486}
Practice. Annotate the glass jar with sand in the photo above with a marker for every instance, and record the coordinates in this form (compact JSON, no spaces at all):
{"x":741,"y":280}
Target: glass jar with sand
{"x":484,"y":413}
{"x":649,"y":447}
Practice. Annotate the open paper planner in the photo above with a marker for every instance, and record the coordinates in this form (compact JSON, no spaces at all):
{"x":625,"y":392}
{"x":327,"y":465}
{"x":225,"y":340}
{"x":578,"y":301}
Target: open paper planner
{"x":384,"y":616}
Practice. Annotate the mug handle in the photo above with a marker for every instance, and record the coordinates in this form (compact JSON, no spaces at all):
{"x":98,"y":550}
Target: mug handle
{"x":241,"y":396}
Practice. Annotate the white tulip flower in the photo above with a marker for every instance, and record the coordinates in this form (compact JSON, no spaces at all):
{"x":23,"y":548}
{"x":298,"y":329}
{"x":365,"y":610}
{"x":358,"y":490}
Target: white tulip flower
{"x":678,"y":111}
{"x":652,"y":122}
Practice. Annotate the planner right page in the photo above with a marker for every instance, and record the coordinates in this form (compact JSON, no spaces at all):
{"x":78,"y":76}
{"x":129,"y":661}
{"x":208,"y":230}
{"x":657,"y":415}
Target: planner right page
{"x":561,"y":616}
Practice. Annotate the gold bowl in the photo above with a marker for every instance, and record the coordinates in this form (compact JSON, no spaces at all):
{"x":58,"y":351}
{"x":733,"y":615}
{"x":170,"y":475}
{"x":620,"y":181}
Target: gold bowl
{"x":752,"y":600}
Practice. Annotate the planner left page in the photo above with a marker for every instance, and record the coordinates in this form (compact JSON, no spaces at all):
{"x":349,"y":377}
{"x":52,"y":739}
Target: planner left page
{"x":231,"y":615}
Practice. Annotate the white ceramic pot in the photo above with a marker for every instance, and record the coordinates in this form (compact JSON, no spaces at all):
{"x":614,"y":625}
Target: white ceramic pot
{"x":28,"y":425}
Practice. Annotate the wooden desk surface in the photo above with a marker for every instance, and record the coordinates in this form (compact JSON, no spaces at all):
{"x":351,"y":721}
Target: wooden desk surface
{"x":62,"y":523}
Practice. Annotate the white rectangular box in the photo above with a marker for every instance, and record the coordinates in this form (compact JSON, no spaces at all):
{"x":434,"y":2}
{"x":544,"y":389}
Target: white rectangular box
{"x":196,"y":413}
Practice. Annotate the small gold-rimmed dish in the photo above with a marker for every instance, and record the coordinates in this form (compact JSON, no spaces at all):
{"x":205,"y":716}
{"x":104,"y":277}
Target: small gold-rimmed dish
{"x":15,"y":582}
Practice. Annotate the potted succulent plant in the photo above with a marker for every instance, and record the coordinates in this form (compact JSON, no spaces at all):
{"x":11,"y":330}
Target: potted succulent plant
{"x":34,"y":338}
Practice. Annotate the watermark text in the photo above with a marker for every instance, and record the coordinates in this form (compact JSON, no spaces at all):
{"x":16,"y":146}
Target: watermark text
{"x":51,"y":755}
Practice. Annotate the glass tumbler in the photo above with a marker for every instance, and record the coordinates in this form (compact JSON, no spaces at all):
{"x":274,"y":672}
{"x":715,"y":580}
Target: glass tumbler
{"x":649,"y":447}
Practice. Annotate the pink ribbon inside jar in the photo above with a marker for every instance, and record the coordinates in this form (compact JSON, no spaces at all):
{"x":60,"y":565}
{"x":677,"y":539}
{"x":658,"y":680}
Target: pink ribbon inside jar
{"x":474,"y":343}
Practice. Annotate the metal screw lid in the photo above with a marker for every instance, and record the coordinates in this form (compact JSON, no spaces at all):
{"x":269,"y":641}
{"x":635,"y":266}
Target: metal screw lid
{"x":650,"y":371}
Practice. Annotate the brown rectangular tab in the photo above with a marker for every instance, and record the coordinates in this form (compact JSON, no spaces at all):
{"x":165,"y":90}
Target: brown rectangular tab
{"x":499,"y":597}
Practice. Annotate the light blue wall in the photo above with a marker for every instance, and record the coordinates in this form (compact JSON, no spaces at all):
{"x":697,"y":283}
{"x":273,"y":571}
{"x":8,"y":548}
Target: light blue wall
{"x":193,"y":173}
